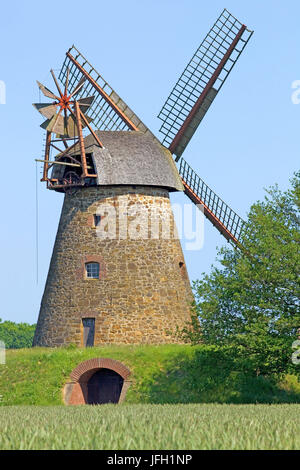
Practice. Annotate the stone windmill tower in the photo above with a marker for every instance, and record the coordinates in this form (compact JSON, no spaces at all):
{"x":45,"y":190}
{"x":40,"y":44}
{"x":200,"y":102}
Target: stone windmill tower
{"x":117,"y":273}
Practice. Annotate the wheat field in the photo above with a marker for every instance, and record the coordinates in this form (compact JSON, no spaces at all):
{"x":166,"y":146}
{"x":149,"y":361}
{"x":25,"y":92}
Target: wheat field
{"x":156,"y":427}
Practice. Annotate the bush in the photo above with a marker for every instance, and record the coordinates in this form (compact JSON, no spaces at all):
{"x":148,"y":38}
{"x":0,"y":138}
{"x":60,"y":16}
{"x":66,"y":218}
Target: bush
{"x":251,"y":301}
{"x":16,"y":335}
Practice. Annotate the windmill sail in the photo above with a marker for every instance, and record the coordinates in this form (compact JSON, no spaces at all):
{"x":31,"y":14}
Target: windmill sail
{"x":201,"y":81}
{"x":228,"y":222}
{"x":108,"y":111}
{"x":182,"y":113}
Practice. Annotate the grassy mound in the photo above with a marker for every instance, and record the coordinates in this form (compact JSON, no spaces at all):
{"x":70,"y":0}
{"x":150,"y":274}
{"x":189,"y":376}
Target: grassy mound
{"x":160,"y":375}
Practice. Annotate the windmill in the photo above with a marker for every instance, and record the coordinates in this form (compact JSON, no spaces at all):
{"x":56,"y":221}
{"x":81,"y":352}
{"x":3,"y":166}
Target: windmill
{"x":146,"y":288}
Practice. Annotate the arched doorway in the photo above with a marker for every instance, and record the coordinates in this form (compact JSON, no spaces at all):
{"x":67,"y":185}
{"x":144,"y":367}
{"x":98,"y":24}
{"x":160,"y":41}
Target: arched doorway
{"x":95,"y":381}
{"x":104,"y":386}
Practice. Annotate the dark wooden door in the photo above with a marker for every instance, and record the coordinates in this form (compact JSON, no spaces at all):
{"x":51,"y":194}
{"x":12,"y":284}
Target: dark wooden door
{"x":88,"y":331}
{"x":104,"y":387}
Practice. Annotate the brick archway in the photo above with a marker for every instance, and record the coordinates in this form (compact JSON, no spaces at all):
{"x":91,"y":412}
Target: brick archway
{"x":75,"y":390}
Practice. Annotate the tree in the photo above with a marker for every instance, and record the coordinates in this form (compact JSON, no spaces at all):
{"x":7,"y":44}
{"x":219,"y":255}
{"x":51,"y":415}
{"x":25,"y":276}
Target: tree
{"x":252,"y":302}
{"x":16,"y":335}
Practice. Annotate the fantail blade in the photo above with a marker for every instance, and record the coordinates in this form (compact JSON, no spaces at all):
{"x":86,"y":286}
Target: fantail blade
{"x":85,"y":103}
{"x":72,"y":130}
{"x":46,"y":109}
{"x":78,"y":86}
{"x":46,"y":91}
{"x":55,"y":124}
{"x":59,"y":127}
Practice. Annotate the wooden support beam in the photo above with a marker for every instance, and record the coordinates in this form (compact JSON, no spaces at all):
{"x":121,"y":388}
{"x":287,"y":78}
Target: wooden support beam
{"x":64,"y":153}
{"x":81,"y":142}
{"x":91,"y":130}
{"x":47,"y":151}
{"x":61,"y":163}
{"x":104,"y":95}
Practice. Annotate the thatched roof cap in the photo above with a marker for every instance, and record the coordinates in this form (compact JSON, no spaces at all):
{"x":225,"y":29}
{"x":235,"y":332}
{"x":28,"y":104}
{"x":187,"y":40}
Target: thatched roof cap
{"x":132,"y":158}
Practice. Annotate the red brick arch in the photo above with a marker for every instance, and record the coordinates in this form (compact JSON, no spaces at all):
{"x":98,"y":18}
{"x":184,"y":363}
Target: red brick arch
{"x":80,"y":372}
{"x":75,"y":390}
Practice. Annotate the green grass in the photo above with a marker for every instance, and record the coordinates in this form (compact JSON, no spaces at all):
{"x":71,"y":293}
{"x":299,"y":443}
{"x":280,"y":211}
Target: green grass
{"x":181,"y":397}
{"x":151,"y":427}
{"x":168,"y":374}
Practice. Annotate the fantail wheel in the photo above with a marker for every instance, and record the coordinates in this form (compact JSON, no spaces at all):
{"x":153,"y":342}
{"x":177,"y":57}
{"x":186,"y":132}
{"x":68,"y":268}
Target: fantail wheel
{"x":61,"y":114}
{"x":66,"y":117}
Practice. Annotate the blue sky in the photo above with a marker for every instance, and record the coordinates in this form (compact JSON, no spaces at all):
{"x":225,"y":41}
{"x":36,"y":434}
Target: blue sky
{"x":248,"y":141}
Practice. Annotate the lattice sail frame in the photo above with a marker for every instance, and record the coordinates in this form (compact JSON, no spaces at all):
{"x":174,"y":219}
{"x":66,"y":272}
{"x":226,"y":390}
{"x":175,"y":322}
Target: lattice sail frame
{"x":201,"y":81}
{"x":228,"y":222}
{"x":108,"y":111}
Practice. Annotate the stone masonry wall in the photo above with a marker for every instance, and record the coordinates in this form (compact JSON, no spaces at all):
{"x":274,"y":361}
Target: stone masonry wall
{"x":143,"y":290}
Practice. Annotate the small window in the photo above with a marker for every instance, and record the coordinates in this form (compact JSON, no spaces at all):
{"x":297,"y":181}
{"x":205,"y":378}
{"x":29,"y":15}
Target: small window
{"x":97,"y":220}
{"x":92,"y":270}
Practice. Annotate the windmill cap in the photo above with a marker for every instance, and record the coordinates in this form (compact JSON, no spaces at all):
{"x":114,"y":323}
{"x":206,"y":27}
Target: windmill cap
{"x":132,"y":158}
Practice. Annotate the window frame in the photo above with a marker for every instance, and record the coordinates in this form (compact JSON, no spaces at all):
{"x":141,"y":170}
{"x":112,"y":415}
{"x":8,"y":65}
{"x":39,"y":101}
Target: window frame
{"x":95,"y":271}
